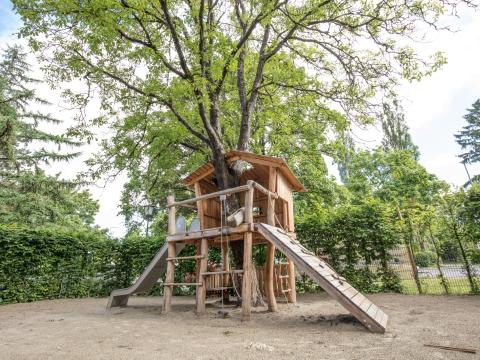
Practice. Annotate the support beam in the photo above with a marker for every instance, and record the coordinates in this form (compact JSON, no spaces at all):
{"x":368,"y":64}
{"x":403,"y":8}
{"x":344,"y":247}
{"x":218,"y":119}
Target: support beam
{"x":202,"y":289}
{"x":226,"y":269}
{"x":270,"y":260}
{"x":170,"y":277}
{"x":247,"y":259}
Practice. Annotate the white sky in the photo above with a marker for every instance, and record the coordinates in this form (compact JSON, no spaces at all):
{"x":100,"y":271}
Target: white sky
{"x":434,"y":109}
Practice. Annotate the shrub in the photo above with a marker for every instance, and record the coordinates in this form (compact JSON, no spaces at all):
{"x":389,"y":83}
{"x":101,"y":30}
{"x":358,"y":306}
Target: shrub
{"x":53,"y":262}
{"x":425,"y":258}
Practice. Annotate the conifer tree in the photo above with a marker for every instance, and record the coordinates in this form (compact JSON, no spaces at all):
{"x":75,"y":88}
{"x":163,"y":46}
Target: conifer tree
{"x":27,"y":194}
{"x":469,"y":137}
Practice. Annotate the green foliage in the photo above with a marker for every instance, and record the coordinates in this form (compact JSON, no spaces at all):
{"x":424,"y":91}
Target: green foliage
{"x":351,"y":235}
{"x":474,"y":256}
{"x":394,"y":177}
{"x":19,"y":125}
{"x":61,"y":262}
{"x":450,"y":251}
{"x":469,"y":137}
{"x":38,"y":199}
{"x":395,"y":130}
{"x":198,"y":79}
{"x":54,"y":262}
{"x":27,"y":194}
{"x":425,"y":258}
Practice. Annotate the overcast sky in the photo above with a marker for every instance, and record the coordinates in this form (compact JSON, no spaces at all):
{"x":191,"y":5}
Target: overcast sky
{"x":434,"y":108}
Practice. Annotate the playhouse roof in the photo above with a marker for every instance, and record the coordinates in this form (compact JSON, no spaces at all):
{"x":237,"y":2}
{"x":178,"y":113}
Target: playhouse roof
{"x":276,"y":162}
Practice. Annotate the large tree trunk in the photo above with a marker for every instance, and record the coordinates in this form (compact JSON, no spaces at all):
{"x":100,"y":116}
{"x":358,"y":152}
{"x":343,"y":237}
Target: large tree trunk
{"x":229,"y":177}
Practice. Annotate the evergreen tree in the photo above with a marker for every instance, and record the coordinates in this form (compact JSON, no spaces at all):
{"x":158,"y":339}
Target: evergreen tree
{"x":469,"y":137}
{"x":19,"y":126}
{"x":27,"y":194}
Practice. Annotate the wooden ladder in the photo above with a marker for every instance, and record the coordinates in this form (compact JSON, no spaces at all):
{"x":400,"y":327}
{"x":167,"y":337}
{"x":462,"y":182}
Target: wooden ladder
{"x":284,"y":279}
{"x":170,"y":278}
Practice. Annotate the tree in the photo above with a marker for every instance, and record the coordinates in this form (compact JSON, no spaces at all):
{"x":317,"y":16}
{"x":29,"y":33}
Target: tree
{"x":207,"y":69}
{"x":19,"y":125}
{"x":396,"y":134}
{"x":469,"y":137}
{"x":27,"y":195}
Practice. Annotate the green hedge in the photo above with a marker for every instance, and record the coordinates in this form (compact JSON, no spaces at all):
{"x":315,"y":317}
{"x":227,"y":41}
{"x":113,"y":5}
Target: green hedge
{"x":357,"y":240}
{"x":56,"y":262}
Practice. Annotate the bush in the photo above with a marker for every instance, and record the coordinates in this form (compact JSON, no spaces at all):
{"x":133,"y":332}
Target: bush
{"x":54,"y":262}
{"x":356,"y":238}
{"x":425,"y":259}
{"x":474,"y":256}
{"x":450,"y":251}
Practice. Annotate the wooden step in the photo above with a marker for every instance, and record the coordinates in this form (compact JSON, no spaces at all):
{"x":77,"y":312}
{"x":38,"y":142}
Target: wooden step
{"x":220,"y":288}
{"x":286,"y":290}
{"x":183,"y":284}
{"x":222,"y":272}
{"x":283,"y":276}
{"x":193,"y":257}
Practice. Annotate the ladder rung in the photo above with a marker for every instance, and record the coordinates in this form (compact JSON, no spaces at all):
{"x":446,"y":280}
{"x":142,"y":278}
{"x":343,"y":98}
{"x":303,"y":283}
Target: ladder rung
{"x":183,"y":284}
{"x":283,"y":263}
{"x":193,"y":257}
{"x":283,"y":276}
{"x":287,"y":290}
{"x":222,"y":272}
{"x":220,"y":288}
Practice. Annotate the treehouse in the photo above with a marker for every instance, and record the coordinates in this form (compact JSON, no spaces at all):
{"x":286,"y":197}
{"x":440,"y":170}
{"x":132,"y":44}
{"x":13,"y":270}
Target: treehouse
{"x":266,"y":196}
{"x":264,"y":218}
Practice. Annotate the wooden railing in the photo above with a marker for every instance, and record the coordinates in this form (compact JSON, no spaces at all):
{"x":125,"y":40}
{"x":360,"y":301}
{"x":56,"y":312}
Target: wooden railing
{"x":250,"y":186}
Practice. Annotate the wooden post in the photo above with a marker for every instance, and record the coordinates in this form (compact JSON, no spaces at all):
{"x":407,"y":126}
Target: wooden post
{"x":226,"y":267}
{"x":270,"y":261}
{"x":201,"y":264}
{"x":170,"y":277}
{"x":247,"y":258}
{"x":202,"y":289}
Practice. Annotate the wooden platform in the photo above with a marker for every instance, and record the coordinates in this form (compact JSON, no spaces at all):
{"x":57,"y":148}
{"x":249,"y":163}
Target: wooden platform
{"x":370,"y":315}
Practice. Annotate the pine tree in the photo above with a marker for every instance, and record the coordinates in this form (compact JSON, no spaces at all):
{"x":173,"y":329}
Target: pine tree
{"x":27,"y":194}
{"x":469,"y":137}
{"x":19,"y":126}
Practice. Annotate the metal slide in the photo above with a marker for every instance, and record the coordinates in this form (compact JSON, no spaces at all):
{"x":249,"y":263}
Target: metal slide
{"x":372,"y":317}
{"x":149,"y":277}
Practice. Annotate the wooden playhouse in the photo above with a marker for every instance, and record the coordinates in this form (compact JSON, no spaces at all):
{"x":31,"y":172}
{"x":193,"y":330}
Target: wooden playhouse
{"x":267,"y":219}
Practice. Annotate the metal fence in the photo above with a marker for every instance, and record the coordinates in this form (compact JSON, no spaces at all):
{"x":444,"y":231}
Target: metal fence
{"x":430,"y":269}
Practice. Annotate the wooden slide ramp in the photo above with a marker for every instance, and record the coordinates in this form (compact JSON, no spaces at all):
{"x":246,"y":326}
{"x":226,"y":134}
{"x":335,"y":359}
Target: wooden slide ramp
{"x":149,"y":277}
{"x":369,"y":314}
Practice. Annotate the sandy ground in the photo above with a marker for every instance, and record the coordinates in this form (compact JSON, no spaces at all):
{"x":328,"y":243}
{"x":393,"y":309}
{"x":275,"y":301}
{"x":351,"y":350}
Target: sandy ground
{"x":83,"y":329}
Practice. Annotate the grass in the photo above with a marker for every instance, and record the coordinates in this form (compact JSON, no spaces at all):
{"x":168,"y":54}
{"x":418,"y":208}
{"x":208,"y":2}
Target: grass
{"x":434,"y":286}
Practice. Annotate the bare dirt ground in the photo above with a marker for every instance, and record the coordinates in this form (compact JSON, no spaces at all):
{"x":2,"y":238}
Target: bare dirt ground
{"x":83,"y":329}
